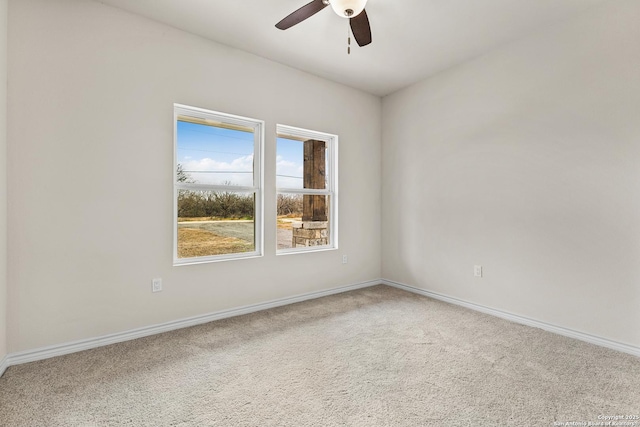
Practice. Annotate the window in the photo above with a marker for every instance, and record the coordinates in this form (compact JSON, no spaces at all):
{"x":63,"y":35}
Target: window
{"x":306,"y":181}
{"x":217,"y":186}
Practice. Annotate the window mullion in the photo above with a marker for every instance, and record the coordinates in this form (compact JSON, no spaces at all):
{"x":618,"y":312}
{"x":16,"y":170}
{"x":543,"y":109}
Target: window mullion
{"x":305,"y":191}
{"x":209,"y":187}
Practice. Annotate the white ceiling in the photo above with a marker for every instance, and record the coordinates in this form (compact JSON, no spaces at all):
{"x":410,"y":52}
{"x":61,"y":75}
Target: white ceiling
{"x":412,"y":39}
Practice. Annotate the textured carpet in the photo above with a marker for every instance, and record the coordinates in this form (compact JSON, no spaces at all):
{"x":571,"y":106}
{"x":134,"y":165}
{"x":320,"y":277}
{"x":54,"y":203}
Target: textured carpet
{"x":373,"y":357}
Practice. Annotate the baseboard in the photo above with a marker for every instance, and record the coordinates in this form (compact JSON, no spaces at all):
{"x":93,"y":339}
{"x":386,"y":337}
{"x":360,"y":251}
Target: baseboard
{"x":592,"y":339}
{"x":72,"y":347}
{"x":4,"y":364}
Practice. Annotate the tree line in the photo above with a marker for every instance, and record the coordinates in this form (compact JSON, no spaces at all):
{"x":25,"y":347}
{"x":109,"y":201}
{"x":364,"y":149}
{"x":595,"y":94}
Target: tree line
{"x":227,"y":204}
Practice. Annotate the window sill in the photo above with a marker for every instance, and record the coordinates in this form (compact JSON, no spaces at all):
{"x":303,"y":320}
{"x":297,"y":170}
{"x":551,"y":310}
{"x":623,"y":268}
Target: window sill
{"x":311,"y":249}
{"x":207,"y":260}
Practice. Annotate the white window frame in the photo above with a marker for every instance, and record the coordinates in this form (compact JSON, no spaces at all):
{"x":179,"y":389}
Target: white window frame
{"x":331,"y":141}
{"x":229,"y":120}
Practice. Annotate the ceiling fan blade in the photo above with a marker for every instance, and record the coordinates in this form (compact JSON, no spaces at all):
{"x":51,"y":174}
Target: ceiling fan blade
{"x":301,"y":14}
{"x":361,"y":28}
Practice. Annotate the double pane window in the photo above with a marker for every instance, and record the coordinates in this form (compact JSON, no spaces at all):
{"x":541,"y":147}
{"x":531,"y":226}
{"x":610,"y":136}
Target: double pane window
{"x":306,"y":182}
{"x":217,"y":186}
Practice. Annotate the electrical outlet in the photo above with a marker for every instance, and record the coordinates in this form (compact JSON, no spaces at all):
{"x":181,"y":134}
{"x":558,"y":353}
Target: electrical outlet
{"x":156,"y":285}
{"x":344,"y":259}
{"x":477,"y":270}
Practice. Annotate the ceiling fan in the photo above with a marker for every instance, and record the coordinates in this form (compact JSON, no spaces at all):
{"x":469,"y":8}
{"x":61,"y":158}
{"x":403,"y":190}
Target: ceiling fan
{"x":352,"y":9}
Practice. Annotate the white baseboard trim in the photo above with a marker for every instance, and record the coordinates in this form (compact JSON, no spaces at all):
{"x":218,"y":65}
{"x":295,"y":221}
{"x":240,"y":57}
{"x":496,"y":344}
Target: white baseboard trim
{"x":4,"y":364}
{"x":72,"y":347}
{"x":87,"y":344}
{"x":592,"y":339}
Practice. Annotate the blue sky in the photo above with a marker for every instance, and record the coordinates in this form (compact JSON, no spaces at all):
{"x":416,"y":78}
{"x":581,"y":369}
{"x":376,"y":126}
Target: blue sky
{"x":289,"y":160}
{"x":212,"y":155}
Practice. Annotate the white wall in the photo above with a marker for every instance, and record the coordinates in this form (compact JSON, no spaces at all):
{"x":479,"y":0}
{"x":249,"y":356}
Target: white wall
{"x":525,"y":161}
{"x":90,"y":172}
{"x":3,"y":178}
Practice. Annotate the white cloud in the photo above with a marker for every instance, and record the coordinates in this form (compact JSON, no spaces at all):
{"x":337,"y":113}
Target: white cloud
{"x":221,"y":172}
{"x":289,"y":169}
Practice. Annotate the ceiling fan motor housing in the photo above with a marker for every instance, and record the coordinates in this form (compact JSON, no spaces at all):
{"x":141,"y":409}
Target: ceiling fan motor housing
{"x":348,"y":8}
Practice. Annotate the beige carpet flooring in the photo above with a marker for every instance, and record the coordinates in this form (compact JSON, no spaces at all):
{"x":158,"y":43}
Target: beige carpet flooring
{"x":374,"y":357}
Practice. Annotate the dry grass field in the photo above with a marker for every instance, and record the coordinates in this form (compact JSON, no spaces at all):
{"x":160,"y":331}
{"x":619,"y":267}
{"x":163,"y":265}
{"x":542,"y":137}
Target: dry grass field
{"x":205,"y":236}
{"x":194,"y":242}
{"x":284,"y":221}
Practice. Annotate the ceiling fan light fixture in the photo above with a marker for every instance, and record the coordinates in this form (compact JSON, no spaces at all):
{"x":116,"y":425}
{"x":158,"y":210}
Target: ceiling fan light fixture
{"x":351,"y":9}
{"x":348,"y":8}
